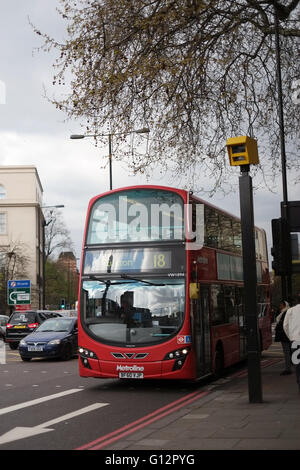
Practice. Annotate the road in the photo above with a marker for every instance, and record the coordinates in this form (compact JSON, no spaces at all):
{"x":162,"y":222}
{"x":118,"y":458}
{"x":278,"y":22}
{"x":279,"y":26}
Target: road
{"x":45,"y":405}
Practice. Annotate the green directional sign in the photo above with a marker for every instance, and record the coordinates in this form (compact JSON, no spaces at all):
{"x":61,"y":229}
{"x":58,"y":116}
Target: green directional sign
{"x":18,"y":292}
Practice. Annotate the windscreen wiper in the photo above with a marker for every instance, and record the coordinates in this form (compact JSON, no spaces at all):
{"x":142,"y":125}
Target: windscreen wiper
{"x":125,"y":276}
{"x":107,"y":282}
{"x":94,"y":278}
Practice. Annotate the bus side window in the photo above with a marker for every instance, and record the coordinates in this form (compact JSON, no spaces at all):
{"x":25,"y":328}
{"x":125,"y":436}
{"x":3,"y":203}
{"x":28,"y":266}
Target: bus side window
{"x":217,"y":296}
{"x":230,"y":305}
{"x":226,"y":233}
{"x":239,"y":300}
{"x":237,"y":237}
{"x":262,"y":301}
{"x":211,"y":221}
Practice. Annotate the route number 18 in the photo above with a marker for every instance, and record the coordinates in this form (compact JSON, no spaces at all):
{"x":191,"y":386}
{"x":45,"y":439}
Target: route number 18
{"x":159,"y":261}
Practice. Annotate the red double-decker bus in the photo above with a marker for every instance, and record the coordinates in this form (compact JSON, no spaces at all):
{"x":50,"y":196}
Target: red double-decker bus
{"x":161,"y":287}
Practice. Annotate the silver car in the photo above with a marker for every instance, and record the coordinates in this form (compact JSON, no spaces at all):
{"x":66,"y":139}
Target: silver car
{"x":3,"y":321}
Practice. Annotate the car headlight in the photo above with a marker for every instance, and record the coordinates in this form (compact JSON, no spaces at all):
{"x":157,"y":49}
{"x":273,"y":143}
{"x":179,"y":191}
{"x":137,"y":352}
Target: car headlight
{"x":55,"y":341}
{"x":23,"y":342}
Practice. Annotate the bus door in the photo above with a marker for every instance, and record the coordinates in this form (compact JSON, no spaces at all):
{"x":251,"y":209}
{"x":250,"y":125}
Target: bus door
{"x":202,"y":332}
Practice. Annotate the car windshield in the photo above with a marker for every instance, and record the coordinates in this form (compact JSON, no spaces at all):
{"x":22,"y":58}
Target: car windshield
{"x":133,"y":311}
{"x":25,"y":317}
{"x":55,"y":324}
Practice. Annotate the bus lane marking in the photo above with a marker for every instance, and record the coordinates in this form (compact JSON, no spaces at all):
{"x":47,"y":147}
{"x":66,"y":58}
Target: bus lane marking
{"x":162,"y":412}
{"x":37,"y":401}
{"x":144,"y":421}
{"x":23,"y":432}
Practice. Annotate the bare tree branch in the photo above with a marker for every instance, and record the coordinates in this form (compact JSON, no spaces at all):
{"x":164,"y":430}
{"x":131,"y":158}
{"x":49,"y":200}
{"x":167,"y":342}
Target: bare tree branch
{"x":57,"y":236}
{"x":193,"y":71}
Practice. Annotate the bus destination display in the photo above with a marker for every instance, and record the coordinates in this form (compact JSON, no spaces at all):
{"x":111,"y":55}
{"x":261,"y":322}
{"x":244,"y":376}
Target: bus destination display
{"x":133,"y":260}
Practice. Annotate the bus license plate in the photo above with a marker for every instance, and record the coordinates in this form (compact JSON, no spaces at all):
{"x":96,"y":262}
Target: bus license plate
{"x":131,"y":375}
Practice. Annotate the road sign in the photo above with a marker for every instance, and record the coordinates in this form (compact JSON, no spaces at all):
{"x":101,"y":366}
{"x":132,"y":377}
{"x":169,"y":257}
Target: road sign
{"x":18,"y":292}
{"x":22,"y":308}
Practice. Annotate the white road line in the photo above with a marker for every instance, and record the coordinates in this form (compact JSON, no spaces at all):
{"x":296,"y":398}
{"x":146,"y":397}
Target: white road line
{"x":73,"y":414}
{"x":19,"y":406}
{"x":23,"y":432}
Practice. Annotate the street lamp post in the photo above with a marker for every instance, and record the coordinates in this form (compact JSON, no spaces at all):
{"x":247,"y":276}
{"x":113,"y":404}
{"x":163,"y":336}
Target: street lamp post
{"x":143,"y":130}
{"x":286,"y":284}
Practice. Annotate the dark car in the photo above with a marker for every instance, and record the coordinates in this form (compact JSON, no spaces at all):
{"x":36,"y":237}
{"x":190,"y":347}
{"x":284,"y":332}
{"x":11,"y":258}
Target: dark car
{"x":56,"y":337}
{"x":21,"y":324}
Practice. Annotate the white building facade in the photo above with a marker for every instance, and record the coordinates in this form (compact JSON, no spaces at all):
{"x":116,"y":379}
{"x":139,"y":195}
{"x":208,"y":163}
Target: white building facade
{"x":22,"y":228}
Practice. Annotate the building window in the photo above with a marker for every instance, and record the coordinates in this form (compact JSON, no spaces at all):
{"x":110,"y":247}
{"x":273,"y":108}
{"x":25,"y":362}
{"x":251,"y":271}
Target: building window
{"x":2,"y":223}
{"x":2,"y":260}
{"x":2,"y":192}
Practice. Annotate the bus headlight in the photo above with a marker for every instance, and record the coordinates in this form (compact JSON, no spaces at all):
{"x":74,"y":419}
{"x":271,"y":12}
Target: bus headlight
{"x":87,"y":353}
{"x":177,"y":354}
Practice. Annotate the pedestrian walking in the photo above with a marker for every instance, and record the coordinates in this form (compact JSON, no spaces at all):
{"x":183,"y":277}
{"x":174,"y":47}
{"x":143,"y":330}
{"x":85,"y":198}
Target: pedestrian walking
{"x":280,"y":336}
{"x":291,"y":326}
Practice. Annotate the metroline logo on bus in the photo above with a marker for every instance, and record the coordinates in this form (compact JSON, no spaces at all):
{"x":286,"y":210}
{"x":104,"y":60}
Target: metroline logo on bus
{"x":133,"y":368}
{"x":136,"y":219}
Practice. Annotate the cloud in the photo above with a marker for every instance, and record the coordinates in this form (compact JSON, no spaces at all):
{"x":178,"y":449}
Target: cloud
{"x":72,"y":172}
{"x":33,"y":132}
{"x":24,"y":72}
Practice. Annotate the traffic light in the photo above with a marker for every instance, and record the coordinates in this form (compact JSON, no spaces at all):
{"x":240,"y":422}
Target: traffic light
{"x":281,"y":250}
{"x":62,"y":304}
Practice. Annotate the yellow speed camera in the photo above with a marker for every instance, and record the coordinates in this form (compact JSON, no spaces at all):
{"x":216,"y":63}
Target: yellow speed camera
{"x":242,"y":150}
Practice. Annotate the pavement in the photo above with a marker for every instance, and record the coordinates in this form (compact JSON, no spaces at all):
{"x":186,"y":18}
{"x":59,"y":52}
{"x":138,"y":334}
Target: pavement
{"x":222,"y":418}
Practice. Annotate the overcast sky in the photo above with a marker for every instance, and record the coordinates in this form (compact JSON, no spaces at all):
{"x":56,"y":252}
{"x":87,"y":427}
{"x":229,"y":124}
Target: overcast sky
{"x":33,"y":132}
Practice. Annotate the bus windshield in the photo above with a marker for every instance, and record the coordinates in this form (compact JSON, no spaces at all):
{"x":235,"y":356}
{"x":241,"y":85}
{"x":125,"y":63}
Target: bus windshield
{"x":136,"y":215}
{"x":133,"y":311}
